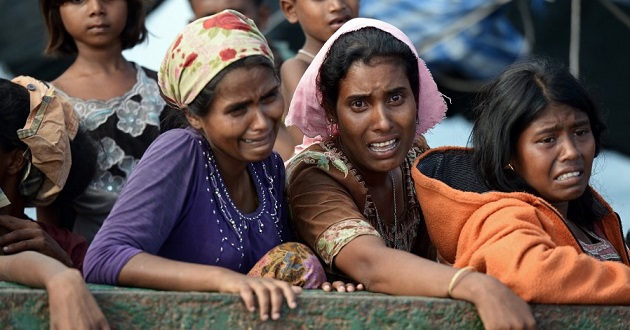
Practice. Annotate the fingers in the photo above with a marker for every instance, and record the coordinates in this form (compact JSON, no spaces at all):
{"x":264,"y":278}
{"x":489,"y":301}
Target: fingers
{"x":339,"y":286}
{"x":248,"y":298}
{"x":360,"y":287}
{"x":22,"y":240}
{"x":12,"y":223}
{"x":327,"y":287}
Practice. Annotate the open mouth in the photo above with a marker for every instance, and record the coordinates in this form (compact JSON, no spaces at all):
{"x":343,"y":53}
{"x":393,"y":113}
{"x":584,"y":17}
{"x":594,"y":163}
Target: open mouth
{"x":338,"y":22}
{"x":383,"y":146}
{"x":569,"y":175}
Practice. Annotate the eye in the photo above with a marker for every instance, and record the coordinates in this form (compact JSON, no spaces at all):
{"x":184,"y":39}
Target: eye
{"x":76,"y":2}
{"x":548,"y":139}
{"x":358,"y":105}
{"x":397,"y":99}
{"x":237,"y":111}
{"x":271,"y":97}
{"x":582,"y":131}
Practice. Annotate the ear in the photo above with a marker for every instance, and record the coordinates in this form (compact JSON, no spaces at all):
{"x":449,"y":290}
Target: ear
{"x":16,"y":162}
{"x":193,"y":120}
{"x":288,"y":9}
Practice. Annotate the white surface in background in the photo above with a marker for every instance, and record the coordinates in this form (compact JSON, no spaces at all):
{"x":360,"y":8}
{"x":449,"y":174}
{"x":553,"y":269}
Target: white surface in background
{"x":608,"y":173}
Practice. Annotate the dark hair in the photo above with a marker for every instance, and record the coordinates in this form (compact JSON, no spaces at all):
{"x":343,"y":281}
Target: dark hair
{"x":507,"y":106}
{"x":14,"y":110}
{"x":201,"y":104}
{"x":364,"y":45}
{"x":60,"y":42}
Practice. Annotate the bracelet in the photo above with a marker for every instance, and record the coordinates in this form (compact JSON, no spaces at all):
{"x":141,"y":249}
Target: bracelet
{"x":456,"y":276}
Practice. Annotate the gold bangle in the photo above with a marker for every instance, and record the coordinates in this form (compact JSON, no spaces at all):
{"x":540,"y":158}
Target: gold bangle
{"x":459,"y":273}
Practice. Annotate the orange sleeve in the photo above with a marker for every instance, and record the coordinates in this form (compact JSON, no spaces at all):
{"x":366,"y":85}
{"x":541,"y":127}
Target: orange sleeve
{"x":522,"y":247}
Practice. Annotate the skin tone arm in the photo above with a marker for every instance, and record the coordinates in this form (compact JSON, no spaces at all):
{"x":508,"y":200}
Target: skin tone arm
{"x":70,"y":302}
{"x":182,"y":276}
{"x":369,"y":261}
{"x":288,"y":137}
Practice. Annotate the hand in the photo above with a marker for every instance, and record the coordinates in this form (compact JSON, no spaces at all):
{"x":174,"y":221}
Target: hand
{"x":26,"y":235}
{"x":498,"y":306}
{"x":267,"y":291}
{"x":71,"y":304}
{"x":341,"y":286}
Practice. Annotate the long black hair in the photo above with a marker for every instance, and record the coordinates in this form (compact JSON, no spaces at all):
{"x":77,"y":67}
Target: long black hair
{"x":510,"y":103}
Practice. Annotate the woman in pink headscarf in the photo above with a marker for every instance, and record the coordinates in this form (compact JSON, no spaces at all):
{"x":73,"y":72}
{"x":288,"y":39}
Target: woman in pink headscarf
{"x":368,"y":98}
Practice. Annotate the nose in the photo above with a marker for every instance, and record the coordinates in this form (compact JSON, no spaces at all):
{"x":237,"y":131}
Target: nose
{"x":96,"y":7}
{"x":336,"y":5}
{"x":261,"y":120}
{"x":569,"y":149}
{"x":380,"y":119}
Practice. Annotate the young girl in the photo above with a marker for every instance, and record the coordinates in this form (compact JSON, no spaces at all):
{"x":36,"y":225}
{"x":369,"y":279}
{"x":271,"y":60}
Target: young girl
{"x":117,"y":102}
{"x":519,"y":206}
{"x":351,"y":195}
{"x":206,"y":204}
{"x":318,"y":20}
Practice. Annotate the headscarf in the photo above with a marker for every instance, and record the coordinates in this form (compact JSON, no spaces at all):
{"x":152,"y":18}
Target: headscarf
{"x":306,"y":112}
{"x":203,"y":49}
{"x":50,"y":127}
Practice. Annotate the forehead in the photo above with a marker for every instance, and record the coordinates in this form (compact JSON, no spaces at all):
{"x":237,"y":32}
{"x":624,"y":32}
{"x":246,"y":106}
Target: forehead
{"x":361,"y":76}
{"x":209,"y":7}
{"x":560,"y":115}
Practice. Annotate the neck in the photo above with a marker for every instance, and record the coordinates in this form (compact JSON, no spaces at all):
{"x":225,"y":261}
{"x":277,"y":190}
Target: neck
{"x":312,"y":46}
{"x":563,"y":208}
{"x":101,"y":62}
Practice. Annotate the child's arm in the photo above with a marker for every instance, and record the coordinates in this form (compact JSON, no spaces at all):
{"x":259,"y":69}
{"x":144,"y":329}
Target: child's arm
{"x":288,"y":137}
{"x":70,"y":302}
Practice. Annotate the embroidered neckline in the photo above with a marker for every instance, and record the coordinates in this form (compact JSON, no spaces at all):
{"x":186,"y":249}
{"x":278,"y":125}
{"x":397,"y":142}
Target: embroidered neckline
{"x":268,"y":203}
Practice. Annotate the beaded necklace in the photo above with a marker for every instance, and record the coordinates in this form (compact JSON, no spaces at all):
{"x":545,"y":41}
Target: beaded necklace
{"x":380,"y":223}
{"x":267,"y":205}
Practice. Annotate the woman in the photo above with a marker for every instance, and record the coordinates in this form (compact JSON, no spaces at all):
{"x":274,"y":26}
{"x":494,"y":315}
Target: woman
{"x":370,"y":96}
{"x":206,"y":204}
{"x":519,"y":204}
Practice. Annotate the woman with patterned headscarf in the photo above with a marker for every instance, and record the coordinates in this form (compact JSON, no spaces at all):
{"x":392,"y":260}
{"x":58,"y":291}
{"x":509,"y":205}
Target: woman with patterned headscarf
{"x":206,"y":203}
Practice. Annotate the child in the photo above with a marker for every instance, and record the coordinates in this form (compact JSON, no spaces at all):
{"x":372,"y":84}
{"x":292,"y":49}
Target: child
{"x":318,"y":20}
{"x":40,"y":145}
{"x":520,"y":206}
{"x":117,"y":102}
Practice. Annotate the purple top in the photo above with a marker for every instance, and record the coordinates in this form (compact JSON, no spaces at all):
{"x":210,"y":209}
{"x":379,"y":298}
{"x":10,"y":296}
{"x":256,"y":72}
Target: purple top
{"x":175,"y":205}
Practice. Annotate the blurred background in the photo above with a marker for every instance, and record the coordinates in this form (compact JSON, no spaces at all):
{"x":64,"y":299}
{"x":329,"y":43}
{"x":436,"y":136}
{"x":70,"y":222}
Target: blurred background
{"x":464,"y":42}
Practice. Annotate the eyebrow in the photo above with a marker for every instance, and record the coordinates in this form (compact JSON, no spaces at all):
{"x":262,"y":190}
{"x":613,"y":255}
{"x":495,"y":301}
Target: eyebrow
{"x":557,"y":127}
{"x":390,"y":91}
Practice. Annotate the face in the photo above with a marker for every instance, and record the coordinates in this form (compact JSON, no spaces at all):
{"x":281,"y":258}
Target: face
{"x":319,"y":19}
{"x":248,"y":8}
{"x":555,"y":153}
{"x":243,"y":120}
{"x":94,"y":23}
{"x":376,"y":117}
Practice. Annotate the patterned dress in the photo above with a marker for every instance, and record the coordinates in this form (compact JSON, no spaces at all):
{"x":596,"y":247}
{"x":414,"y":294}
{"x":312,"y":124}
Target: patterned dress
{"x":331,"y":204}
{"x":123,"y":128}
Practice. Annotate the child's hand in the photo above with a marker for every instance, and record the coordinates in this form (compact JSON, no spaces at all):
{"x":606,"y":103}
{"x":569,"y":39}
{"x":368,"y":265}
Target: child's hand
{"x":341,"y":286}
{"x":268,"y":292}
{"x":71,"y":303}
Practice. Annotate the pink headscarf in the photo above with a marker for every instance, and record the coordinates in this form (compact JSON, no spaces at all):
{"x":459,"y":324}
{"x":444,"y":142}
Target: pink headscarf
{"x":306,"y":112}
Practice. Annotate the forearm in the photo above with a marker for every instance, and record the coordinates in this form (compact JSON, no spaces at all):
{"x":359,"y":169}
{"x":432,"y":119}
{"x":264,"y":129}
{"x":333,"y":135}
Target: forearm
{"x":30,"y":268}
{"x":149,"y":271}
{"x":381,"y":269}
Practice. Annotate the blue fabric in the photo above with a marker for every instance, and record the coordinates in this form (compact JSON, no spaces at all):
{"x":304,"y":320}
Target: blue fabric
{"x":478,"y":52}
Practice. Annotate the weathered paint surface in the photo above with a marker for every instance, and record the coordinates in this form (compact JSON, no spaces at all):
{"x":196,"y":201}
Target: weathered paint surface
{"x":126,"y":308}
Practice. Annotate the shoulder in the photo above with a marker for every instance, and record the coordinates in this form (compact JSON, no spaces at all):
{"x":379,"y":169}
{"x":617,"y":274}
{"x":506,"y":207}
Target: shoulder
{"x":150,"y":73}
{"x":319,"y":159}
{"x":292,"y":70}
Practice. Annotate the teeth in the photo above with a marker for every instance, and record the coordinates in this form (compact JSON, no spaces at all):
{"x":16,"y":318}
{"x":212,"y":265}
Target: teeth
{"x":568,"y":175}
{"x":382,"y":144}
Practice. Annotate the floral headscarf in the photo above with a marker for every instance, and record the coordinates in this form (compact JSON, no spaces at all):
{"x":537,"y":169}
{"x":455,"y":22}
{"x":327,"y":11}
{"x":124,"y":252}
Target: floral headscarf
{"x":203,"y":49}
{"x":50,"y":127}
{"x":306,"y":112}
